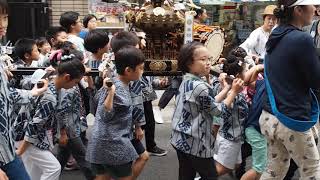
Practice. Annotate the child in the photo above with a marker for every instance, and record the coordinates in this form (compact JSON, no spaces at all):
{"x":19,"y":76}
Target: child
{"x":36,"y":147}
{"x":240,"y":52}
{"x":69,"y":114}
{"x":26,"y":51}
{"x":71,"y":22}
{"x":231,"y":134}
{"x":11,"y":166}
{"x":195,"y":110}
{"x":84,"y":84}
{"x":248,"y":92}
{"x":44,"y":48}
{"x":96,"y":42}
{"x":109,"y":149}
{"x":89,"y":23}
{"x":56,"y":36}
{"x":149,"y":95}
{"x":253,"y":134}
{"x":119,"y":41}
{"x":43,"y":45}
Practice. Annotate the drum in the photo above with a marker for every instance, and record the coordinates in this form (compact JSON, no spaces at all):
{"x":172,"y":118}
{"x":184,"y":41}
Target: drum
{"x":213,"y":40}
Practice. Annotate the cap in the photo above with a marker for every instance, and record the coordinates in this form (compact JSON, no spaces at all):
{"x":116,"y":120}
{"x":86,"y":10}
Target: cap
{"x":305,"y":2}
{"x":269,"y":10}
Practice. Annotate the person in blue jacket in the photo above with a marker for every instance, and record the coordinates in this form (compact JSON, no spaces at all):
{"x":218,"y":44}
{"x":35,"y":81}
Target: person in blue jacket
{"x":290,"y":108}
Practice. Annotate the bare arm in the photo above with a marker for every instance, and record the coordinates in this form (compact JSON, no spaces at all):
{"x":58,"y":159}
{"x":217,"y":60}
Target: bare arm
{"x":3,"y":175}
{"x":108,"y":102}
{"x":22,"y":148}
{"x":236,"y":88}
{"x":222,"y":95}
{"x":225,"y":88}
{"x":252,"y":74}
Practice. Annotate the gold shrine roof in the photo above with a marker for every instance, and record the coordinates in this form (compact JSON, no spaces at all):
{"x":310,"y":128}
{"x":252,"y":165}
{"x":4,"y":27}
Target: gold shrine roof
{"x":150,"y":18}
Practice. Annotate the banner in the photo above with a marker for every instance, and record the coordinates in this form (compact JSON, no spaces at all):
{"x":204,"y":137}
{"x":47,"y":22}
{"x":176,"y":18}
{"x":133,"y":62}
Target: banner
{"x":188,"y":27}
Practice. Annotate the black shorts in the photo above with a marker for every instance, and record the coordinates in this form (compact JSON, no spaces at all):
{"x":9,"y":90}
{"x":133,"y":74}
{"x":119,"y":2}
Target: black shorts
{"x":115,"y":171}
{"x":189,"y":165}
{"x":138,"y":146}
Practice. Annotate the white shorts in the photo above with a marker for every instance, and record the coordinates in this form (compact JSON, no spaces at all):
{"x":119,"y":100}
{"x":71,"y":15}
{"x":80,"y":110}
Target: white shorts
{"x":227,"y":153}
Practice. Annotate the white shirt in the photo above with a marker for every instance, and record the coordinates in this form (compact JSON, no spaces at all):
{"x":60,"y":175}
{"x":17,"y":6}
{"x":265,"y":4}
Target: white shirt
{"x":255,"y":44}
{"x":40,"y":62}
{"x":77,"y":41}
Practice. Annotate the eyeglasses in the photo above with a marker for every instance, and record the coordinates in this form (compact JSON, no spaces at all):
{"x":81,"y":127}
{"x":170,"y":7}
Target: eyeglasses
{"x":209,"y":59}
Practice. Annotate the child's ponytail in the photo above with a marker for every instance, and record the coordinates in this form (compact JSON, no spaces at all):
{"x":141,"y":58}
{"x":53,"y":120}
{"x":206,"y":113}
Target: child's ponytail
{"x":233,"y":65}
{"x":67,"y":52}
{"x":68,"y":60}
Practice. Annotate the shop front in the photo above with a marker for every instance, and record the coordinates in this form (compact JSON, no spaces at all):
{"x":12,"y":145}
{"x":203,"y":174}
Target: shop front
{"x":237,"y":18}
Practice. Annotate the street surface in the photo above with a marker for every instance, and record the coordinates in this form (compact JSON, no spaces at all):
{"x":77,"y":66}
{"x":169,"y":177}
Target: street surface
{"x":157,"y":168}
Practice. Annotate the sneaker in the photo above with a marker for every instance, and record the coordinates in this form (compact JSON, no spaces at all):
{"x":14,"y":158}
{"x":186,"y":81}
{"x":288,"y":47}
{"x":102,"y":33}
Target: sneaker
{"x":197,"y":178}
{"x":156,"y":151}
{"x":71,"y":167}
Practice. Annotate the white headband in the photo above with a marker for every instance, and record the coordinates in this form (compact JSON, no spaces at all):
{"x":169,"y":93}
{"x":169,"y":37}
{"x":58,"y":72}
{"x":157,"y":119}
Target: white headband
{"x":305,"y":2}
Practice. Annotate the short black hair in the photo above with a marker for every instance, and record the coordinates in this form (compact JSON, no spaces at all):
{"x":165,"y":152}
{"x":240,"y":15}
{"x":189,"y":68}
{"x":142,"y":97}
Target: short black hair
{"x":87,"y":18}
{"x":41,"y":41}
{"x":199,"y":12}
{"x":73,"y":67}
{"x":53,"y":32}
{"x":128,"y":56}
{"x":123,"y":38}
{"x":95,"y":40}
{"x":4,"y":8}
{"x":23,"y":46}
{"x":186,"y":54}
{"x":67,"y":45}
{"x":68,"y":18}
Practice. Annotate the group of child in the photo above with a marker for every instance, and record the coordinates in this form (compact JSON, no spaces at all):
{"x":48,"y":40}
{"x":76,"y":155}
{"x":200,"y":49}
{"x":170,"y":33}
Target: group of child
{"x":57,"y":118}
{"x":208,"y":123}
{"x":212,"y":119}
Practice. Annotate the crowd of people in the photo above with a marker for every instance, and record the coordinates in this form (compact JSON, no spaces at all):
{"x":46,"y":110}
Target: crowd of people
{"x":57,"y":118}
{"x":265,"y":97}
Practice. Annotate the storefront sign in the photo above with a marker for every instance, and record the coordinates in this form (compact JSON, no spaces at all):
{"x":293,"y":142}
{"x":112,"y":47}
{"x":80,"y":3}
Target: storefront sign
{"x":108,"y":14}
{"x":212,"y":2}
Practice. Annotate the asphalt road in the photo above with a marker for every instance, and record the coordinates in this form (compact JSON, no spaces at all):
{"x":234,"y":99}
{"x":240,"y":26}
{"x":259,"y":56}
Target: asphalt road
{"x":157,"y":168}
